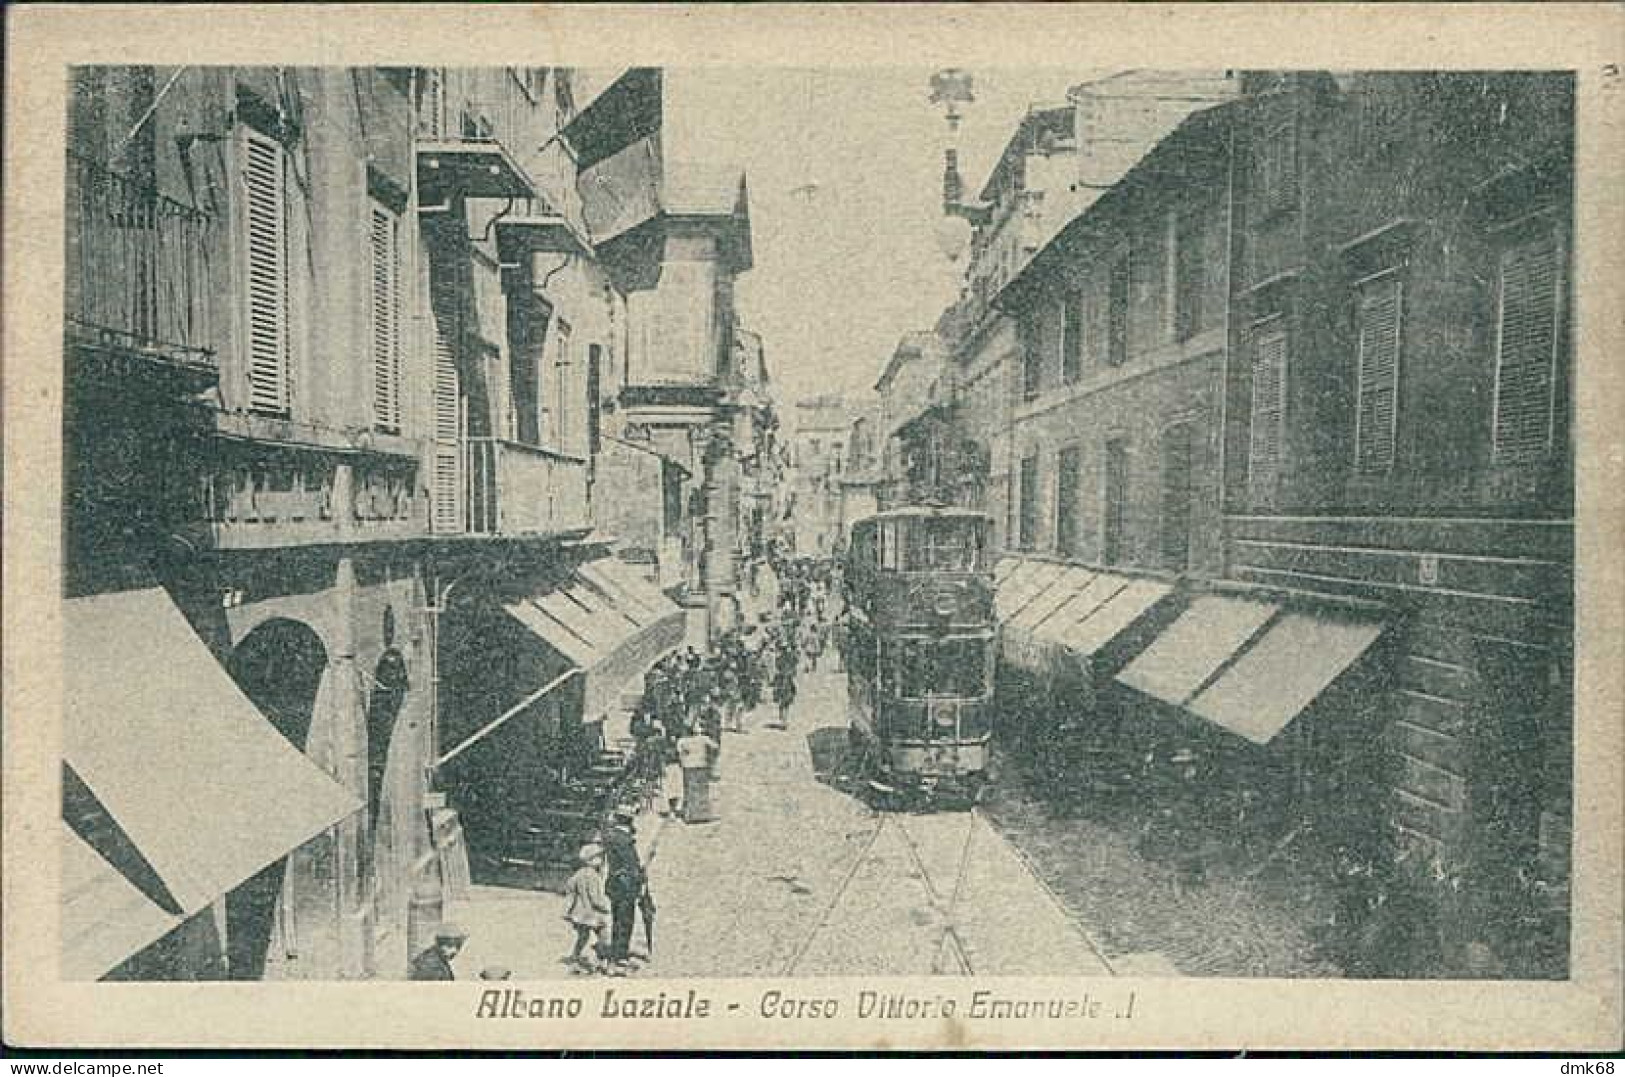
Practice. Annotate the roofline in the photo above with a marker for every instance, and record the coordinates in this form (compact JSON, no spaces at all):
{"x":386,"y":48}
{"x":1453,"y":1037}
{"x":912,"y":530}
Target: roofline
{"x":1079,"y":226}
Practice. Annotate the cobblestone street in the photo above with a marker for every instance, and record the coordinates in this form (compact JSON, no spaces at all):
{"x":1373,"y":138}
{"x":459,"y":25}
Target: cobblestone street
{"x":799,"y":876}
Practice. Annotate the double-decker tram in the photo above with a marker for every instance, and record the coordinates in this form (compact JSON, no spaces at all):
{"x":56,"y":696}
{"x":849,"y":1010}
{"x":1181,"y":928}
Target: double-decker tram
{"x":919,"y":647}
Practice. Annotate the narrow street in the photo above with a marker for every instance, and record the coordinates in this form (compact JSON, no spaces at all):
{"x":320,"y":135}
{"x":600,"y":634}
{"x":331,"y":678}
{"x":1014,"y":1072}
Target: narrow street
{"x":799,"y":876}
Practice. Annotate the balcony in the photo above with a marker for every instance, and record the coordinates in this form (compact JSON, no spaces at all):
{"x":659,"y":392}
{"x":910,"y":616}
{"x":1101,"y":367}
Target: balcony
{"x":463,"y":145}
{"x":516,"y":490}
{"x":138,"y":274}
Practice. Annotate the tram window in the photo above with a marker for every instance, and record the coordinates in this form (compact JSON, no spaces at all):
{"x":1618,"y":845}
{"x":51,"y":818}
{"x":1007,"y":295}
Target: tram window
{"x":860,"y":657}
{"x":888,"y":546}
{"x":944,"y":546}
{"x":947,"y":668}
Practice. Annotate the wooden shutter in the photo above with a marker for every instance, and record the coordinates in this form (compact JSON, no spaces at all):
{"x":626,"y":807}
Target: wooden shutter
{"x":386,"y":320}
{"x":1068,"y":464}
{"x":1377,"y":388}
{"x":1071,"y":337}
{"x":265,"y":246}
{"x":1029,"y":503}
{"x":444,"y":301}
{"x":1117,"y":311}
{"x":1526,"y":350}
{"x":1177,"y":462}
{"x":1115,"y":497}
{"x":1268,"y":412}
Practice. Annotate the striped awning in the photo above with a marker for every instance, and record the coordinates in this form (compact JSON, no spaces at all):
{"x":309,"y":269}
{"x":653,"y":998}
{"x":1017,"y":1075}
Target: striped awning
{"x":608,"y":622}
{"x":1249,"y":666}
{"x":1049,"y":608}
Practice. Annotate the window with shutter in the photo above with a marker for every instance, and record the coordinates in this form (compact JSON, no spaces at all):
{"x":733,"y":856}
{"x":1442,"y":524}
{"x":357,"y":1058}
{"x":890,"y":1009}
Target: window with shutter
{"x":1028,"y":536}
{"x":444,"y":302}
{"x":431,"y":103}
{"x":1117,"y":313}
{"x":1268,"y":411}
{"x":1381,"y":303}
{"x":1032,"y":359}
{"x":265,"y":247}
{"x":1114,"y":497}
{"x":1068,"y":466}
{"x":1177,"y":453}
{"x":1071,"y":337}
{"x":386,"y":319}
{"x":1276,"y":168}
{"x":1190,"y":271}
{"x":1526,"y":349}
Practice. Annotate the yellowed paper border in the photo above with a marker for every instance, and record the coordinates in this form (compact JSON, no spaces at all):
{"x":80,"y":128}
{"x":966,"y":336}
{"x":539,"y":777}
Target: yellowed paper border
{"x":43,"y":40}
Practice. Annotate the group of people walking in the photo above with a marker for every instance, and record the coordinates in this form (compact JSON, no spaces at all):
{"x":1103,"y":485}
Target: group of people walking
{"x":689,"y":700}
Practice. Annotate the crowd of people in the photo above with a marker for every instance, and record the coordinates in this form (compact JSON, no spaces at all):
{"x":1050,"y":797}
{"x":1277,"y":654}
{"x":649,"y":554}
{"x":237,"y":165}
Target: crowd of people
{"x":689,"y":700}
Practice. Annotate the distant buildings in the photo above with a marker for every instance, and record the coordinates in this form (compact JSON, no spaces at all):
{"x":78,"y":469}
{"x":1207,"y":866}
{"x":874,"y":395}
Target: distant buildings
{"x":818,"y":455}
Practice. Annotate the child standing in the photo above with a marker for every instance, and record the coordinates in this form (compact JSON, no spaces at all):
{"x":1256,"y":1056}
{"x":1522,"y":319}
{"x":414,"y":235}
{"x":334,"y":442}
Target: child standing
{"x":588,"y":906}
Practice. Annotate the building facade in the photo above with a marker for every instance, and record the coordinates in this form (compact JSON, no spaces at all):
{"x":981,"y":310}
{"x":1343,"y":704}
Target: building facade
{"x":1399,"y":429}
{"x":1121,"y":318}
{"x":818,"y":457}
{"x":340,"y":348}
{"x":1290,"y":480}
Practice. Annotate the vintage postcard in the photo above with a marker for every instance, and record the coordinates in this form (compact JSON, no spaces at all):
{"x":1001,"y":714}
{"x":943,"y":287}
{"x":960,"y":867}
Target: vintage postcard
{"x":694,"y":527}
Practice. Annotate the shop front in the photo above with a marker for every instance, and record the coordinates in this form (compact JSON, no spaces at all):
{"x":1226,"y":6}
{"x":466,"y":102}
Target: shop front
{"x":179,"y":797}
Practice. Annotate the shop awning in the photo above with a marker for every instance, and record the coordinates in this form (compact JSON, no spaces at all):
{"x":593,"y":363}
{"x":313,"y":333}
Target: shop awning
{"x":1045,"y":607}
{"x":1183,"y":658}
{"x":105,"y":918}
{"x":608,"y":623}
{"x":1116,"y":615}
{"x":1248,"y":666}
{"x":1281,"y":674}
{"x":1026,"y":583}
{"x":1061,"y":590}
{"x":1013,"y":587}
{"x":194,"y":774}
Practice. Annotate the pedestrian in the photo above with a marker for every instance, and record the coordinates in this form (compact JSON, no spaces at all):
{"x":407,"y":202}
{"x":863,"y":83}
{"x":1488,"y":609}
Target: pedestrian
{"x":750,"y":680}
{"x":694,"y":753}
{"x":650,"y":765}
{"x":587,"y":906}
{"x":623,"y":884}
{"x":671,"y":777}
{"x":784,"y":683}
{"x":434,"y":963}
{"x":711,"y":726}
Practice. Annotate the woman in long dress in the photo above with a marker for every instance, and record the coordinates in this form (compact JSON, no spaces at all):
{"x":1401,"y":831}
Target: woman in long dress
{"x":694,"y":752}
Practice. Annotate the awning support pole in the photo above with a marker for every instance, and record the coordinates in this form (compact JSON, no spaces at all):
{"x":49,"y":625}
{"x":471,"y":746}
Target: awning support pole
{"x":517,"y":708}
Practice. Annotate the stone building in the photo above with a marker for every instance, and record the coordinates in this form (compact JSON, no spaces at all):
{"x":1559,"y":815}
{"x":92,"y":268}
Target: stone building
{"x":818,"y":453}
{"x":338,"y":348}
{"x":1399,"y":430}
{"x":1292,"y":490}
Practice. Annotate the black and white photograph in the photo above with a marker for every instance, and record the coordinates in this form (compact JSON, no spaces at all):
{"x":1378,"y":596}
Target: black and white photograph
{"x":610,"y":529}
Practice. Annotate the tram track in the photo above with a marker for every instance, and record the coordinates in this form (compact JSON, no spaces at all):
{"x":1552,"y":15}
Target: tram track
{"x":951,"y":941}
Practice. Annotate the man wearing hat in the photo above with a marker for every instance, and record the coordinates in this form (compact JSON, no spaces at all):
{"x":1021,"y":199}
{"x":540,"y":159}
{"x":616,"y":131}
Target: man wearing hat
{"x":435,"y":962}
{"x":624,"y":883}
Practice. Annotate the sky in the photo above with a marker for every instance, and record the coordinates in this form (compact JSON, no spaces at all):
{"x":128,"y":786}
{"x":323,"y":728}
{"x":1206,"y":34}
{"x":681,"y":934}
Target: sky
{"x":845,"y":177}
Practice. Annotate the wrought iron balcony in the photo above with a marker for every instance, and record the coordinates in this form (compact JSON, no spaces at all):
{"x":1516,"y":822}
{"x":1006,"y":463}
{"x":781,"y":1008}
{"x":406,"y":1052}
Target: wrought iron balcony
{"x":517,"y":490}
{"x":138,"y":273}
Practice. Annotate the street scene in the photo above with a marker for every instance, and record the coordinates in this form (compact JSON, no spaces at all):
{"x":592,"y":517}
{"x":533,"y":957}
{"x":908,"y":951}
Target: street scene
{"x":549,"y":523}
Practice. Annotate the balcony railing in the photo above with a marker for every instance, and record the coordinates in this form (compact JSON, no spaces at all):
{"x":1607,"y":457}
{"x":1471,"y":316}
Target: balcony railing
{"x":514,"y":489}
{"x":137,"y":266}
